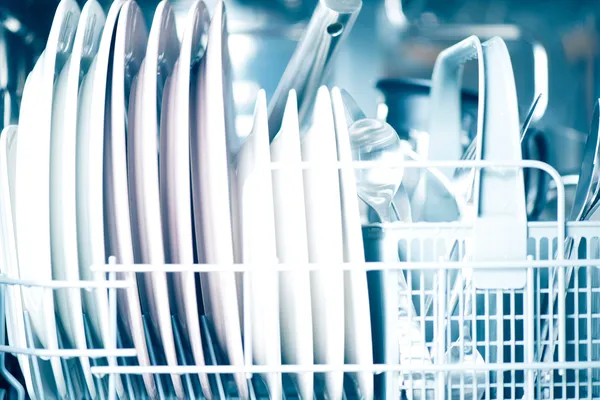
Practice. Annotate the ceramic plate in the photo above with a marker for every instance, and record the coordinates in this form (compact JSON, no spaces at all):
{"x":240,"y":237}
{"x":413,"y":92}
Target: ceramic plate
{"x":89,"y":180}
{"x":63,"y":215}
{"x":210,"y":151}
{"x":15,"y":325}
{"x":358,"y":341}
{"x":175,"y":177}
{"x":47,"y":369}
{"x":33,"y":191}
{"x":129,"y":50}
{"x":89,"y":176}
{"x":258,"y":243}
{"x":292,"y":247}
{"x":325,"y":243}
{"x":142,"y":159}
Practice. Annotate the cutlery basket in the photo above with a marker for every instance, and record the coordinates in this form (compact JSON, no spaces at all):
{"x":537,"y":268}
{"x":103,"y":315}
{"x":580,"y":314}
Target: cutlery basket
{"x":506,"y":324}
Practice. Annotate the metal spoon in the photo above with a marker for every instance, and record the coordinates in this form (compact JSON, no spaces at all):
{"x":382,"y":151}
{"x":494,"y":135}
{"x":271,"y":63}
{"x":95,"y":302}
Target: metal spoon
{"x":411,"y":346}
{"x":373,"y":140}
{"x":400,"y":204}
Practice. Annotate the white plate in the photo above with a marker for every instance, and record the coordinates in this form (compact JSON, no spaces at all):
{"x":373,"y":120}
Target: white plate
{"x":15,"y":324}
{"x":63,"y":215}
{"x":358,"y":340}
{"x":175,"y":177}
{"x":292,"y":247}
{"x":143,"y":174}
{"x":89,"y":175}
{"x":258,"y":243}
{"x":89,"y":182}
{"x":325,"y":243}
{"x":211,"y":144}
{"x":129,"y":50}
{"x":33,"y":189}
{"x":47,"y":369}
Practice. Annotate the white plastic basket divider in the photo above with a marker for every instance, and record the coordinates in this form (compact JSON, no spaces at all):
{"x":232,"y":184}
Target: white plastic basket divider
{"x":13,"y":383}
{"x":498,"y":139}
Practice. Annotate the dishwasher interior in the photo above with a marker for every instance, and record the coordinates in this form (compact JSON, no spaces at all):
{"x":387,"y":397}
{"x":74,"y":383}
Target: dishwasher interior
{"x":386,"y":59}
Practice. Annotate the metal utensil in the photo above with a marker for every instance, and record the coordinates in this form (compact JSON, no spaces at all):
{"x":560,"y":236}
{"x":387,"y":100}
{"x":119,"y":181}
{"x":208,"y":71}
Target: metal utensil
{"x":530,"y":114}
{"x":584,"y":207}
{"x":329,"y":25}
{"x":373,"y":140}
{"x":411,"y":346}
{"x":536,"y":180}
{"x":469,"y":153}
{"x":401,"y":205}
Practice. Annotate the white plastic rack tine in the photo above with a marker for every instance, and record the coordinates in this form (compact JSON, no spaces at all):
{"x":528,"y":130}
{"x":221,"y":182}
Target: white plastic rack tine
{"x":440,"y":335}
{"x":212,"y":357}
{"x":14,"y":384}
{"x":131,"y":390}
{"x":530,"y":343}
{"x":71,"y":377}
{"x":251,"y":390}
{"x":247,"y":330}
{"x":161,"y":388}
{"x":113,"y":328}
{"x":189,"y":386}
{"x":100,"y":387}
{"x":257,"y":387}
{"x":35,"y":365}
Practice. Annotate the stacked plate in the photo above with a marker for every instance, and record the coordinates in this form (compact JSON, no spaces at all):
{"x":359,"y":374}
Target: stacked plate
{"x":83,"y":177}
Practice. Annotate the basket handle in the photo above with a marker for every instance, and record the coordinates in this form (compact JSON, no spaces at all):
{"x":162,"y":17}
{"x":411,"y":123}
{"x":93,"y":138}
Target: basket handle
{"x":500,"y":228}
{"x":446,"y":82}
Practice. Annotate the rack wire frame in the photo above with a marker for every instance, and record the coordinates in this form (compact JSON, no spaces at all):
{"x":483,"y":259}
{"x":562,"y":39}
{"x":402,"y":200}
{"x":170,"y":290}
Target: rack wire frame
{"x":562,"y":376}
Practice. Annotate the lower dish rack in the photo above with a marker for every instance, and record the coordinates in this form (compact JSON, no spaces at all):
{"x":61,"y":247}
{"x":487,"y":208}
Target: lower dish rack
{"x":467,"y":342}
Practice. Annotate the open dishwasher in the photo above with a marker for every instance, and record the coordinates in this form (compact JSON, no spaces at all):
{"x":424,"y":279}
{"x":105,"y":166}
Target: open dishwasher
{"x":329,"y":199}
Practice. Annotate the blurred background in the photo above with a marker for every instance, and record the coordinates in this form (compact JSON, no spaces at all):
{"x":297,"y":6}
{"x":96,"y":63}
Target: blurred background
{"x":389,"y":55}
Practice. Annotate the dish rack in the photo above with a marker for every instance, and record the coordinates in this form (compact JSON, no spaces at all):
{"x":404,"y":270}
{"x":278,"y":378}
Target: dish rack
{"x":526,"y":328}
{"x":507,"y":325}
